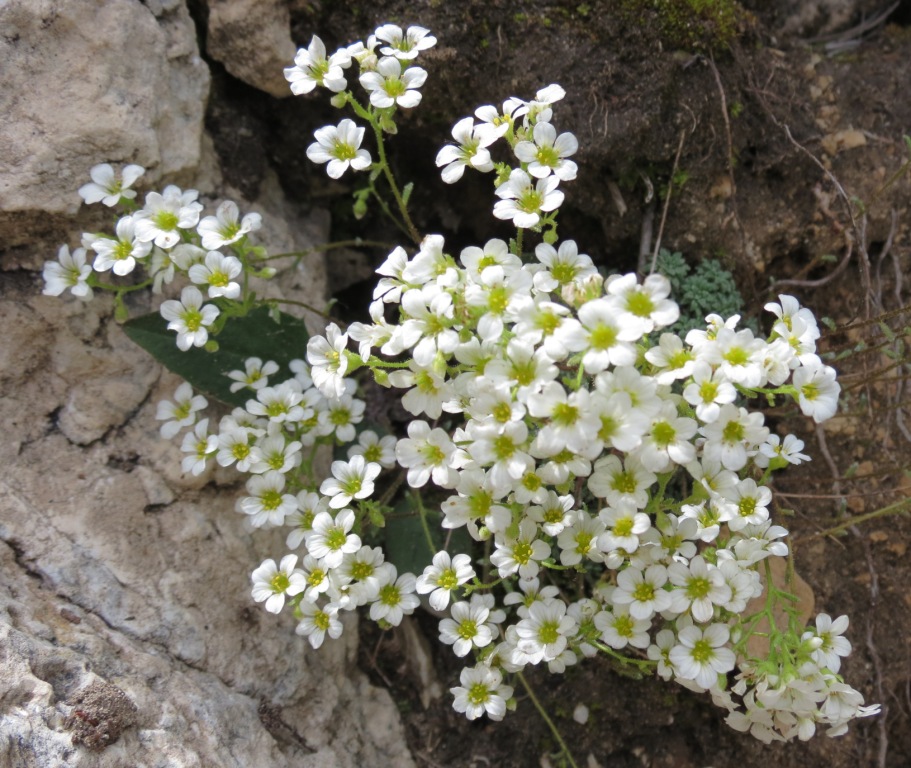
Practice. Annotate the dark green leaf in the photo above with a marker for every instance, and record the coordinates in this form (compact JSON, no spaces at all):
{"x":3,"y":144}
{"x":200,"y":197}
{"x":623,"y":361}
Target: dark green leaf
{"x":255,"y":335}
{"x":406,"y":543}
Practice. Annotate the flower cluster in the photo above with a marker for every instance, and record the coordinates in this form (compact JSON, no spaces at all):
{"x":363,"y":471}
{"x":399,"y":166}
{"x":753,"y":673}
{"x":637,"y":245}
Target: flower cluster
{"x":556,"y":420}
{"x":168,"y":236}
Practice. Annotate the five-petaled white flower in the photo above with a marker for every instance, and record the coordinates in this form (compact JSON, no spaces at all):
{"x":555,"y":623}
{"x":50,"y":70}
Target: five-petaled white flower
{"x":471,"y":150}
{"x":70,"y":271}
{"x":106,"y":188}
{"x":339,"y":146}
{"x":224,"y":228}
{"x":120,"y":254}
{"x":404,"y":45}
{"x":218,"y":272}
{"x":272,"y":582}
{"x":389,"y":84}
{"x":165,"y":214}
{"x":312,"y":68}
{"x":189,"y":317}
{"x":523,"y":201}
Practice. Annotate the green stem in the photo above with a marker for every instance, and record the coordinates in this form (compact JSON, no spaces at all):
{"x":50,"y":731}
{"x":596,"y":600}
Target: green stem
{"x":355,"y":243}
{"x":396,"y":193}
{"x":423,"y":514}
{"x":893,"y":509}
{"x":314,"y":310}
{"x":550,"y":723}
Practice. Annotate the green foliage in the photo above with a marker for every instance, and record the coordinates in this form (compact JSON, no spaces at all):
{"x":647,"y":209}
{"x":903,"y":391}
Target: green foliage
{"x":707,"y":288}
{"x":692,"y":25}
{"x":263,"y":333}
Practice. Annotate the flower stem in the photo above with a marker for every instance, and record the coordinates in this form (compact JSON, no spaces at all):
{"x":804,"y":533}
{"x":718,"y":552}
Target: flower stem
{"x":550,"y":723}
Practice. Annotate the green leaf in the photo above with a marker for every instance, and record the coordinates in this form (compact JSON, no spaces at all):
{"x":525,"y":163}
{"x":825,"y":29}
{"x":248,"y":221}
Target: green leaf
{"x":406,"y":545}
{"x":254,"y":335}
{"x":406,"y":192}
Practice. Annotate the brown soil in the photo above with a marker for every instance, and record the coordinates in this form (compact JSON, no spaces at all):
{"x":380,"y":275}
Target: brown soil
{"x":769,"y":124}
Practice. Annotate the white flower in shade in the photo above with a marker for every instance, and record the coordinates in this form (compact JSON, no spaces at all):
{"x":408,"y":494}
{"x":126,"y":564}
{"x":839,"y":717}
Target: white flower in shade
{"x":338,"y":417}
{"x":521,"y":552}
{"x":380,"y":450}
{"x":309,"y":505}
{"x":545,"y":631}
{"x":361,"y":572}
{"x":602,"y":337}
{"x":328,"y":361}
{"x":699,"y":588}
{"x":470,"y":152}
{"x":389,"y":84}
{"x":199,"y":445}
{"x":181,"y":413}
{"x":339,"y":146}
{"x":750,"y":502}
{"x":396,"y":597}
{"x":495,"y":253}
{"x":554,"y":513}
{"x":624,"y":524}
{"x":700,"y":654}
{"x":492,"y":121}
{"x":189,"y":317}
{"x":312,"y":68}
{"x":827,"y":642}
{"x":660,"y":652}
{"x":734,"y":436}
{"x":774,"y":447}
{"x":330,"y":539}
{"x":579,"y":540}
{"x":234,"y":446}
{"x":404,"y":45}
{"x":254,"y":376}
{"x":218,"y":273}
{"x":642,"y":591}
{"x":548,"y":152}
{"x":352,"y":479}
{"x":167,"y":213}
{"x":611,"y":481}
{"x":442,"y":576}
{"x":267,"y":505}
{"x":817,"y":391}
{"x":271,"y":583}
{"x":280,"y":404}
{"x":106,"y":188}
{"x":668,"y":441}
{"x":275,"y":452}
{"x":673,"y":360}
{"x":539,"y":110}
{"x":224,"y":228}
{"x":317,"y":622}
{"x":469,"y":626}
{"x":120,"y":254}
{"x":618,"y":629}
{"x":481,"y":692}
{"x":69,"y":272}
{"x":523,"y":201}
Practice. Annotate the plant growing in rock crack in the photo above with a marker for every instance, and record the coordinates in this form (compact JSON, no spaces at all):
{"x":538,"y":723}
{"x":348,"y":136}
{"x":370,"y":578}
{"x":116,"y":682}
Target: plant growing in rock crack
{"x":609,"y":478}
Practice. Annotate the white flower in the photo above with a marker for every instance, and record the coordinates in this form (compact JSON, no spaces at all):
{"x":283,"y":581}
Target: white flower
{"x":339,"y":146}
{"x":618,"y":629}
{"x":317,"y":622}
{"x":271,"y":583}
{"x":548,"y":152}
{"x":389,"y":84}
{"x":181,"y":413}
{"x":254,"y":376}
{"x":481,"y":691}
{"x":338,"y":417}
{"x":708,"y":391}
{"x":521,"y":552}
{"x":218,"y":273}
{"x":562,"y":266}
{"x":167,"y":213}
{"x":68,"y":272}
{"x":773,"y":448}
{"x":817,"y":391}
{"x":523,"y":203}
{"x":602,"y":335}
{"x":427,"y":453}
{"x":280,"y":404}
{"x":234,"y":446}
{"x":200,"y":445}
{"x":407,"y":45}
{"x":106,"y":188}
{"x":642,"y":591}
{"x":828,"y":644}
{"x":374,"y":448}
{"x":120,"y":253}
{"x":469,"y":626}
{"x":545,"y":631}
{"x":579,"y":540}
{"x":330,"y":539}
{"x":471,"y":151}
{"x":328,"y":361}
{"x":700,"y":655}
{"x":223,"y":228}
{"x":267,"y":505}
{"x":189,"y":318}
{"x":700,"y":587}
{"x":312,"y":68}
{"x":275,"y":452}
{"x":644,"y":307}
{"x":734,"y":436}
{"x":351,"y":479}
{"x":442,"y":576}
{"x":396,"y":597}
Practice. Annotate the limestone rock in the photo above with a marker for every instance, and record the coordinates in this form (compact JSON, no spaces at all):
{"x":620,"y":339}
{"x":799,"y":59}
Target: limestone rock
{"x":252,"y":38}
{"x":89,"y":81}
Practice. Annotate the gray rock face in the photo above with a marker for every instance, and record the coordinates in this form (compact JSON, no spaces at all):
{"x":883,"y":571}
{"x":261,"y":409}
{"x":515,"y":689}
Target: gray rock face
{"x":252,"y":38}
{"x":128,"y":637}
{"x":89,"y":79}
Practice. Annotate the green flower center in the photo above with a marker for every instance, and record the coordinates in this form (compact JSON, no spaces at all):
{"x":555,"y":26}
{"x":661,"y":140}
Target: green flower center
{"x":565,"y":414}
{"x":448,"y":579}
{"x":663,"y":434}
{"x":603,"y":337}
{"x":624,"y":482}
{"x":468,"y":629}
{"x":271,"y":500}
{"x":192,"y":319}
{"x":321,"y":620}
{"x":280,"y":582}
{"x":640,"y":304}
{"x":549,"y":632}
{"x":336,"y":538}
{"x":698,"y":587}
{"x":503,"y":447}
{"x":702,"y":651}
{"x":521,"y":552}
{"x":644,"y":592}
{"x":478,"y":694}
{"x":361,"y":570}
{"x":166,"y":220}
{"x":530,"y":201}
